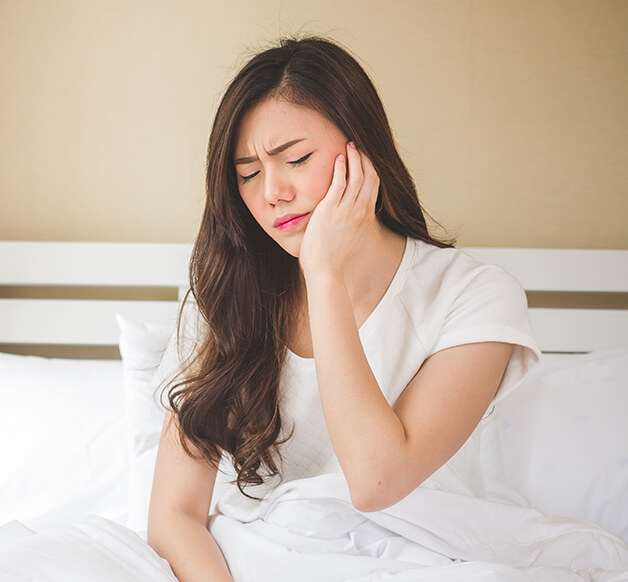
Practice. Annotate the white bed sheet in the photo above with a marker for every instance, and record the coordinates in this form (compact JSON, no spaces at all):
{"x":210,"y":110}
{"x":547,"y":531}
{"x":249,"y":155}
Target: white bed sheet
{"x":92,"y":549}
{"x":308,"y":531}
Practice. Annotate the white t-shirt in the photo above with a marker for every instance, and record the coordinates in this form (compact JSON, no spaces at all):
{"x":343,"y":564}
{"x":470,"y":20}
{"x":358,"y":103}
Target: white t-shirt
{"x":438,"y":298}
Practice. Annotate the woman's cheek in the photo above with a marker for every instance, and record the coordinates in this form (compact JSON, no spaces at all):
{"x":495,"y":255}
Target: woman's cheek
{"x":327,"y":174}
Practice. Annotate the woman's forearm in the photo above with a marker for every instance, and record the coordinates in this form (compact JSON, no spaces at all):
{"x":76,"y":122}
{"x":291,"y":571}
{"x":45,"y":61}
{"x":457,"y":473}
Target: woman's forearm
{"x":190,"y":549}
{"x":365,"y":431}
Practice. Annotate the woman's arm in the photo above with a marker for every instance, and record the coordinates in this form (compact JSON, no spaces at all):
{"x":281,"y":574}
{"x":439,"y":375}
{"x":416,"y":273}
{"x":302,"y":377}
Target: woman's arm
{"x":179,"y":507}
{"x":385,"y":453}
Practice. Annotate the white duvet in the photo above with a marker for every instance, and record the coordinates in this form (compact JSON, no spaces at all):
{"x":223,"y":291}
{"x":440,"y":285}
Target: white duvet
{"x":307,"y":530}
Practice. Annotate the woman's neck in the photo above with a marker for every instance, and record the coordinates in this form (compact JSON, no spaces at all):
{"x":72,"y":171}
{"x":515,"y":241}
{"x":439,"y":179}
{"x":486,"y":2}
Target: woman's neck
{"x":368,"y":276}
{"x":373,"y":267}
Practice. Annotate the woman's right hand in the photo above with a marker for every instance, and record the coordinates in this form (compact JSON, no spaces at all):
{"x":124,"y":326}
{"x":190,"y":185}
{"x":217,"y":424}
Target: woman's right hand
{"x":339,"y":223}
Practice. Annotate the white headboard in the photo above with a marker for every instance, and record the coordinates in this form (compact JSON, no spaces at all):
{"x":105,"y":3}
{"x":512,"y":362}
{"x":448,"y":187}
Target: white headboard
{"x":570,"y":271}
{"x":35,"y":275}
{"x":124,"y":270}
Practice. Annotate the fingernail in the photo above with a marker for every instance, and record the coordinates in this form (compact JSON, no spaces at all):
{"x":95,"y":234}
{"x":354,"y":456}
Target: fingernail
{"x":341,"y":158}
{"x":352,"y":145}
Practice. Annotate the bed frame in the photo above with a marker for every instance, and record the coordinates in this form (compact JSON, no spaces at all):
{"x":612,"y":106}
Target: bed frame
{"x":66,"y":293}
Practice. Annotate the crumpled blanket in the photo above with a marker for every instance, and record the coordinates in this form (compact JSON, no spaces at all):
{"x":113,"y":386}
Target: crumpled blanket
{"x":307,"y":530}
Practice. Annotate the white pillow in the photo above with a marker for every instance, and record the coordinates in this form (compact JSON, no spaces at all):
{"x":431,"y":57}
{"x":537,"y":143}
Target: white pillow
{"x":565,"y":437}
{"x":151,"y":356}
{"x":62,"y":440}
{"x":142,"y":346}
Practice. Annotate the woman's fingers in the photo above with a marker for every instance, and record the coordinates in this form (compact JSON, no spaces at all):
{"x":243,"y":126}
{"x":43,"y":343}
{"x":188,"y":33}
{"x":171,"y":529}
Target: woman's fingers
{"x":362,"y":183}
{"x":355,"y":183}
{"x":339,"y":222}
{"x":370,"y":185}
{"x":355,"y":176}
{"x":338,"y":182}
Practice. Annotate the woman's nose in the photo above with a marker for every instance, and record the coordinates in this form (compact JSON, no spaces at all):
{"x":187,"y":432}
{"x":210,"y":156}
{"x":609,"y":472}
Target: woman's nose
{"x":277,"y":188}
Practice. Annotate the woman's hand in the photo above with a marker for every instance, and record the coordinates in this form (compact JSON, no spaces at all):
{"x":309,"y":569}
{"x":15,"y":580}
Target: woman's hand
{"x":339,"y":223}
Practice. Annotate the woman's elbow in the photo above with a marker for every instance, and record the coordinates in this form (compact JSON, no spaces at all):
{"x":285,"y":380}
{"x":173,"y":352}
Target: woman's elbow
{"x":384,"y":489}
{"x":374,"y":496}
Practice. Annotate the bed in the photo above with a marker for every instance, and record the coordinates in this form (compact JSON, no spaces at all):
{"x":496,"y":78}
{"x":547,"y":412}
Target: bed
{"x":83,"y":327}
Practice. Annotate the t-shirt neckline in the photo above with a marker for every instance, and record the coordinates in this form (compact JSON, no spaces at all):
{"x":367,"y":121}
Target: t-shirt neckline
{"x":395,"y":284}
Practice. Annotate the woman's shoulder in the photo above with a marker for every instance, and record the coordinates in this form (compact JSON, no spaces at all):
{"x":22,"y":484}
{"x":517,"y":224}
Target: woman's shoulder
{"x":450,"y":265}
{"x":452,"y":298}
{"x":447,"y":276}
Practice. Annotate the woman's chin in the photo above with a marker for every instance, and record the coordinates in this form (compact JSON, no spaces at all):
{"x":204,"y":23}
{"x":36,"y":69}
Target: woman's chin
{"x":295,"y":252}
{"x":292,"y":247}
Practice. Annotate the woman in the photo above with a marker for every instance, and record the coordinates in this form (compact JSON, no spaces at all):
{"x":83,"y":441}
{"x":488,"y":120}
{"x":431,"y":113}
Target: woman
{"x":336,"y":335}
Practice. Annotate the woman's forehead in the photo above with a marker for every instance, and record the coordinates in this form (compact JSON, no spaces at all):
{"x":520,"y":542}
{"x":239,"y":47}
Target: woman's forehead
{"x":277,"y":121}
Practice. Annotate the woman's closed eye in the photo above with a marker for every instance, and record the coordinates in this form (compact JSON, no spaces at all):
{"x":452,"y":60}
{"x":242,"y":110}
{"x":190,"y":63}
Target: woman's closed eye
{"x":300,"y":160}
{"x":249,"y":177}
{"x":292,"y":163}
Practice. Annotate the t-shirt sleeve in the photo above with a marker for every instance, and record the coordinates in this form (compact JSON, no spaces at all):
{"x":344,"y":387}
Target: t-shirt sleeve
{"x":489,"y":305}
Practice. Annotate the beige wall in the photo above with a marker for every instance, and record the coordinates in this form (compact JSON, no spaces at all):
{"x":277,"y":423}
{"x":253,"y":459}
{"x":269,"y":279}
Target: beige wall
{"x":511,"y":114}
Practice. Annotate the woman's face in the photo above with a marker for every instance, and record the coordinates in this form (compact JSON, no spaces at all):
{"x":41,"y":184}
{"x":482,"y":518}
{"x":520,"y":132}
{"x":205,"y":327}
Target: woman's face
{"x":284,"y":160}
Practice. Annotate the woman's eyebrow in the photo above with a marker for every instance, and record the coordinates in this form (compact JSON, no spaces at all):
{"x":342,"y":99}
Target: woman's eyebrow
{"x":273,"y":152}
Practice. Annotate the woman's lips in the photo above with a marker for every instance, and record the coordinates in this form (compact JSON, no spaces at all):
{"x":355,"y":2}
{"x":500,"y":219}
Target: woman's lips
{"x":289,"y":221}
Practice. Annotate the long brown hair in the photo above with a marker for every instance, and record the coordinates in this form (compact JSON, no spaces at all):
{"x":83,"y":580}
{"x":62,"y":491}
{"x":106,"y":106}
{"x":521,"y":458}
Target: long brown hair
{"x":246,"y":286}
